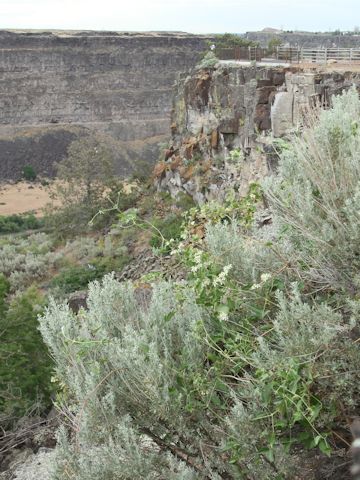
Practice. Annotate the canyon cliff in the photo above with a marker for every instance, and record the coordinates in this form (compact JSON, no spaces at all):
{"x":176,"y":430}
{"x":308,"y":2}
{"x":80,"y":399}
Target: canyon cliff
{"x":55,"y":86}
{"x":225,"y":120}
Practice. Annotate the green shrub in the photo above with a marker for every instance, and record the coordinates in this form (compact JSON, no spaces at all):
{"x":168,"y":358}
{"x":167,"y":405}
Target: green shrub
{"x":210,"y":60}
{"x":77,"y":277}
{"x":25,"y":365}
{"x":170,"y":228}
{"x":184,"y":201}
{"x":18,"y":223}
{"x":29,"y":173}
{"x":4,"y":290}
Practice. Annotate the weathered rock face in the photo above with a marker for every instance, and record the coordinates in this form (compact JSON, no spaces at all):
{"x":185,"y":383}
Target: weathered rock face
{"x":302,"y":89}
{"x":55,"y":86}
{"x":224,"y":120}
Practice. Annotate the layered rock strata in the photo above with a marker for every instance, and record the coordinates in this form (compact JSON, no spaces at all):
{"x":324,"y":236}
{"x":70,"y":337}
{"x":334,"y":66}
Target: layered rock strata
{"x":55,"y":86}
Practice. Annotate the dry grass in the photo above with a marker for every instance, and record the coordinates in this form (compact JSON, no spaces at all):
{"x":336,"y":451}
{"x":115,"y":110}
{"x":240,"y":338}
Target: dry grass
{"x":23,"y":197}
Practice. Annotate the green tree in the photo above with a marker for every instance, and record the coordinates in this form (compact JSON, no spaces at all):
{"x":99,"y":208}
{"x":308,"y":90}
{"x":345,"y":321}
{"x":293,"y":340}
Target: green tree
{"x":231,"y":40}
{"x":89,"y":166}
{"x":273,"y":43}
{"x":29,"y":173}
{"x":85,"y":178}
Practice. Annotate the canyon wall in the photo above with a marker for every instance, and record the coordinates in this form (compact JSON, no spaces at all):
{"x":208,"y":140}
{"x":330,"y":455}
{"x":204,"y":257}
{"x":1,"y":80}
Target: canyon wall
{"x":225,"y":119}
{"x":55,"y":86}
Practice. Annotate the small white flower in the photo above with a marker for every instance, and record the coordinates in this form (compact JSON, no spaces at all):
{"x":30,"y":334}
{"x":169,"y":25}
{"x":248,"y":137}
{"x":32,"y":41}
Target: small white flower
{"x":227,"y":269}
{"x":216,"y":281}
{"x":197,"y":256}
{"x":265,"y":277}
{"x":220,"y":279}
{"x":255,"y":286}
{"x":223,"y":316}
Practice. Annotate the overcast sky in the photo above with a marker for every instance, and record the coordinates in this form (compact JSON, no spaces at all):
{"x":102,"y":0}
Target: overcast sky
{"x":197,"y":16}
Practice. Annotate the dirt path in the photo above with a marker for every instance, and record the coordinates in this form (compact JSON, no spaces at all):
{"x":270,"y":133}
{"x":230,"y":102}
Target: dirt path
{"x":23,"y":197}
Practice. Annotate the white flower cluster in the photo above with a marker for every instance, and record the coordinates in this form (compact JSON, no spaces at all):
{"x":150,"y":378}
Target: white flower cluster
{"x":264,"y":277}
{"x":220,"y":279}
{"x":179,"y":249}
{"x":223,"y":316}
{"x":197,"y":260}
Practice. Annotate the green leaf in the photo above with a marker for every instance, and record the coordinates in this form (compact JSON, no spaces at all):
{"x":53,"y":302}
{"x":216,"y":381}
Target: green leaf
{"x":324,"y":447}
{"x":169,"y":316}
{"x":268,"y":453}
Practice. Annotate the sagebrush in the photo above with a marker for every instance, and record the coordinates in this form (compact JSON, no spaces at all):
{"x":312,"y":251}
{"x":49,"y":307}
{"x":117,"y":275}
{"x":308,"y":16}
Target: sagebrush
{"x":253,"y":355}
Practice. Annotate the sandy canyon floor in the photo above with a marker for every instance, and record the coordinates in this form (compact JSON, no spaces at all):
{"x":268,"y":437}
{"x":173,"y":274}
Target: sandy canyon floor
{"x":23,"y":197}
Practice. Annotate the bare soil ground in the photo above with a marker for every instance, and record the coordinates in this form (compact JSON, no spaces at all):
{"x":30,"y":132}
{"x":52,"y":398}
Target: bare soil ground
{"x":23,"y":197}
{"x":341,"y":67}
{"x":330,"y":67}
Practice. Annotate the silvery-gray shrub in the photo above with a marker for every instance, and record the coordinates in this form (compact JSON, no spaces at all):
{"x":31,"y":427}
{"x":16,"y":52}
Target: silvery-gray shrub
{"x":315,"y":195}
{"x":120,"y":361}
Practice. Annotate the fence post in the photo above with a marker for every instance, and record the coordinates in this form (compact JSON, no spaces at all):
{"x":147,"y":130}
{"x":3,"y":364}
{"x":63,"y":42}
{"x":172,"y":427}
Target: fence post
{"x":351,"y":55}
{"x":326,"y":56}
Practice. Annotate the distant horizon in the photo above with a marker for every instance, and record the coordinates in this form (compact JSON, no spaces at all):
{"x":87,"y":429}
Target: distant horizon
{"x":265,"y":30}
{"x":201,"y":17}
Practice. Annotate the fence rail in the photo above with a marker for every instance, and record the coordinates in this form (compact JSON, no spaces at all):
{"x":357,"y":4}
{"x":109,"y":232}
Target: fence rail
{"x":291,"y":54}
{"x":319,"y":55}
{"x":242,"y":53}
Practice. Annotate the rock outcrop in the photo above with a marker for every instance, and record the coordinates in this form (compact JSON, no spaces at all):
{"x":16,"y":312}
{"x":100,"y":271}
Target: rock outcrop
{"x":225,"y":119}
{"x":56,"y":86}
{"x":30,"y":466}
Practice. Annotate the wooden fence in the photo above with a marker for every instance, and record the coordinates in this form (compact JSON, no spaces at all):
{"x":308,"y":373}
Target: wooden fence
{"x":291,"y":54}
{"x":319,"y":55}
{"x":241,"y":53}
